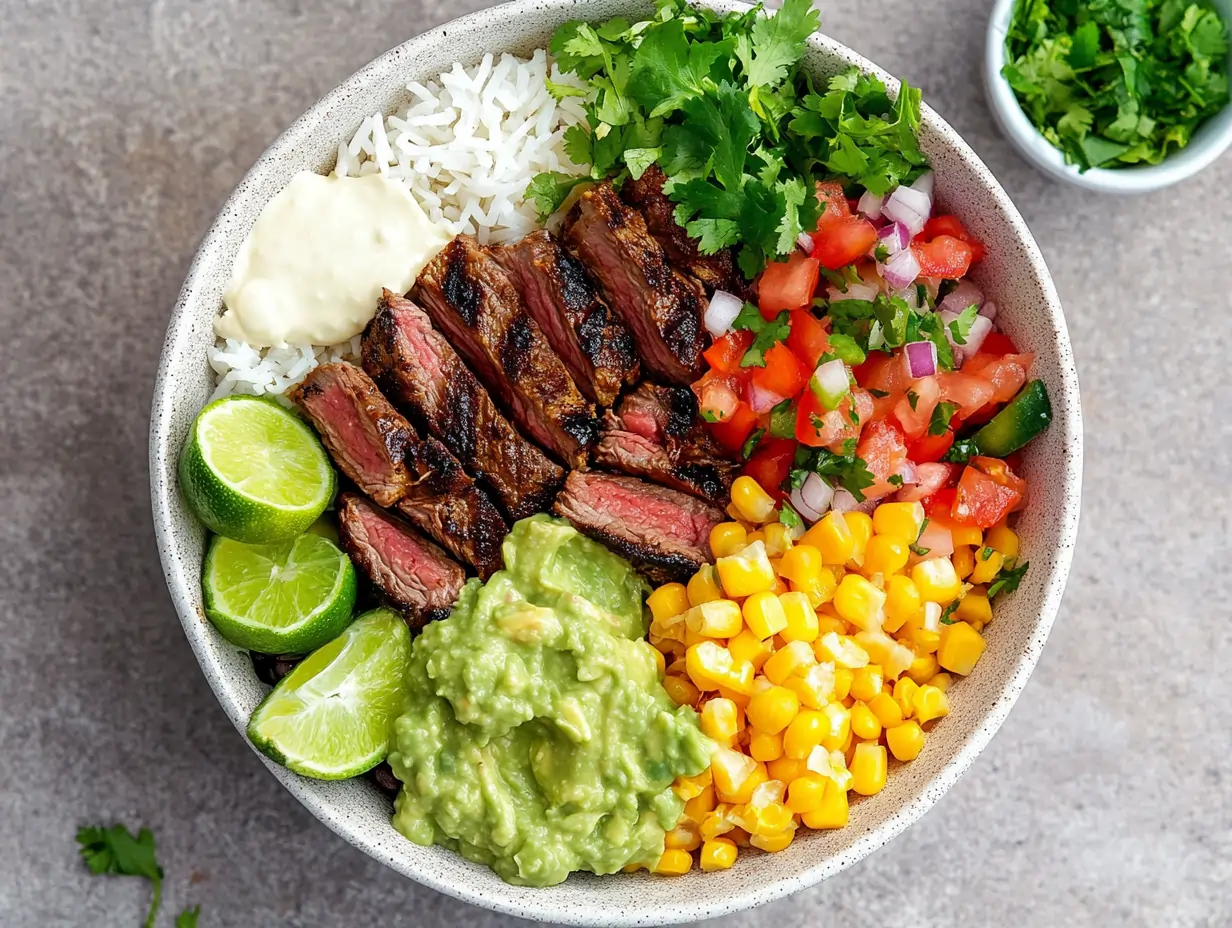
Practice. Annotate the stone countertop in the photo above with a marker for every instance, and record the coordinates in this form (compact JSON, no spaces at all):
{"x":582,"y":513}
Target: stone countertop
{"x":1105,"y":799}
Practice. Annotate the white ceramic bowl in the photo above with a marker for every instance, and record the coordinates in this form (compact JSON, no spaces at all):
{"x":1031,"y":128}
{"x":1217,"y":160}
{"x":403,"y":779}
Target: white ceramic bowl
{"x":1013,"y":273}
{"x":1208,"y":143}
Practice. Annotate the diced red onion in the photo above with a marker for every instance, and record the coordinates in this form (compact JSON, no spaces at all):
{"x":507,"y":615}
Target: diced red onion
{"x":912,"y":297}
{"x":798,"y":503}
{"x":845,"y":502}
{"x":804,"y":242}
{"x":722,"y":312}
{"x":760,"y":399}
{"x":816,"y":493}
{"x":906,"y":470}
{"x":901,"y":270}
{"x":870,"y":204}
{"x":937,"y":539}
{"x":925,"y":184}
{"x":918,"y":201}
{"x":964,"y":295}
{"x":960,"y":355}
{"x":921,"y":359}
{"x":859,"y":291}
{"x":989,"y":310}
{"x":910,"y":207}
{"x":981,"y":327}
{"x":895,"y":237}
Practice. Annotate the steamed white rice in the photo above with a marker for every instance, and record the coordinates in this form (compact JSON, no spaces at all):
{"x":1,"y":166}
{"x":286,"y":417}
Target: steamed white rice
{"x":466,"y":146}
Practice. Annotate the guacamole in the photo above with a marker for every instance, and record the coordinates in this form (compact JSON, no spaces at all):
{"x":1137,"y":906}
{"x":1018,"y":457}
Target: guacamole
{"x":536,"y":736}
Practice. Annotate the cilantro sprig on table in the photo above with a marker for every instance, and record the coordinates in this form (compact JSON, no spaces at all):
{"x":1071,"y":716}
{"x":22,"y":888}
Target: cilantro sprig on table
{"x":115,"y":851}
{"x":720,"y":103}
{"x":1117,"y":82}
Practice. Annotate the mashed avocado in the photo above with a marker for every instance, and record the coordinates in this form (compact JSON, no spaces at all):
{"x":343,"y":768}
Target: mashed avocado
{"x":537,"y":737}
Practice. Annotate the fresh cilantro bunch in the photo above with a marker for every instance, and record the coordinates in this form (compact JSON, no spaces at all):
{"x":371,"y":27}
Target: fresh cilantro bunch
{"x":719,"y":102}
{"x":1117,"y":82}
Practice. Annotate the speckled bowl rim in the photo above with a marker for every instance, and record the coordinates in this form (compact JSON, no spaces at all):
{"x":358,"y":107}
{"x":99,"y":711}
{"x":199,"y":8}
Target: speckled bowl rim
{"x":541,"y":904}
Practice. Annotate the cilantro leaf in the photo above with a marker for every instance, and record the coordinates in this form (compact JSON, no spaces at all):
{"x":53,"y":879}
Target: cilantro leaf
{"x":789,"y":517}
{"x":777,"y":42}
{"x":765,"y":338}
{"x":549,"y":190}
{"x":783,"y":420}
{"x":117,"y":852}
{"x":962,"y":451}
{"x":939,"y":421}
{"x":846,"y":470}
{"x":639,"y":159}
{"x":188,"y":918}
{"x":746,"y":450}
{"x":960,"y":328}
{"x":668,"y":70}
{"x":1007,"y":579}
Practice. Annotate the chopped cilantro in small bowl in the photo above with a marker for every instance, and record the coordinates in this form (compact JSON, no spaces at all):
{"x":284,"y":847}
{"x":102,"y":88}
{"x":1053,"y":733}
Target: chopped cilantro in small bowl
{"x":1120,"y":96}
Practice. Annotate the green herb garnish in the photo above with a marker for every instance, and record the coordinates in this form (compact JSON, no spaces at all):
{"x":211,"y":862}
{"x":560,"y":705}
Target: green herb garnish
{"x":746,"y":450}
{"x":789,"y":517}
{"x":115,"y":851}
{"x":846,"y":470}
{"x":1007,"y":579}
{"x":939,"y":421}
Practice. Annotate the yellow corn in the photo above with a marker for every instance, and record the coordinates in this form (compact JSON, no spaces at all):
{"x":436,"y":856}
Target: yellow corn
{"x":936,"y":580}
{"x":674,"y":862}
{"x":660,"y":660}
{"x":820,"y":589}
{"x":682,"y":692}
{"x":899,"y":521}
{"x":717,"y":822}
{"x":815,"y":686}
{"x":905,"y":741}
{"x":988,"y":562}
{"x":806,"y":793}
{"x":834,"y":810}
{"x":868,"y":769}
{"x":967,"y":535}
{"x":747,"y":646}
{"x":838,"y":717}
{"x":801,"y":618}
{"x":842,"y":682}
{"x":710,"y":665}
{"x":769,"y":819}
{"x":764,"y":615}
{"x":727,"y":538}
{"x":884,"y":555}
{"x":832,"y":537}
{"x":904,"y":691}
{"x":942,"y":681}
{"x":778,"y":539}
{"x":786,"y":769}
{"x":961,"y":646}
{"x":922,"y":668}
{"x":864,"y":722}
{"x":866,"y":682}
{"x":963,"y":561}
{"x":718,"y":720}
{"x":752,"y":502}
{"x":732,"y":771}
{"x":860,"y":524}
{"x":828,"y":621}
{"x":773,"y":843}
{"x":893,"y":658}
{"x":720,"y":618}
{"x":668,"y":601}
{"x":704,"y":586}
{"x":889,"y":713}
{"x":794,"y":658}
{"x":755,"y":537}
{"x":800,"y":563}
{"x":690,"y":787}
{"x":1002,"y":539}
{"x":746,"y":573}
{"x":701,"y":805}
{"x":718,"y":854}
{"x":902,"y":604}
{"x":974,"y":606}
{"x":683,"y":837}
{"x":859,"y":602}
{"x":805,"y":732}
{"x":765,"y":746}
{"x":929,"y":703}
{"x":771,"y":710}
{"x":840,"y":649}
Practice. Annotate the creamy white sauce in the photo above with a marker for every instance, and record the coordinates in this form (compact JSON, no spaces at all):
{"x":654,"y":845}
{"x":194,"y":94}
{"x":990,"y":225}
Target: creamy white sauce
{"x":312,"y":268}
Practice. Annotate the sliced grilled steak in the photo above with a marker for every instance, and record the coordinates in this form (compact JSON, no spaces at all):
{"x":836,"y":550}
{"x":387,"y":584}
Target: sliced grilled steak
{"x":664,"y":532}
{"x":662,"y":308}
{"x":557,"y":292}
{"x":656,"y":433}
{"x":416,"y":576}
{"x":716,"y":271}
{"x":471,"y":300}
{"x":365,"y":435}
{"x":417,"y":368}
{"x":445,"y":502}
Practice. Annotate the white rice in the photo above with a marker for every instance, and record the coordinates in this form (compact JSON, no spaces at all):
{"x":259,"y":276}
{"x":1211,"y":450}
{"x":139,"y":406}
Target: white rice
{"x":466,"y":146}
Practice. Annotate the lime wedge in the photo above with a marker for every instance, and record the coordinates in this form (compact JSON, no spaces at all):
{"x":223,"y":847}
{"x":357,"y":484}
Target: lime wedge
{"x":289,"y":597}
{"x":254,"y":471}
{"x":330,"y":717}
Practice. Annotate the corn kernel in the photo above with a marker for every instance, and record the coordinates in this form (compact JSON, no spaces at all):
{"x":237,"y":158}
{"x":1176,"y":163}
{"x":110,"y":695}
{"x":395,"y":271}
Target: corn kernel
{"x":961,"y":646}
{"x":820,"y":589}
{"x":769,"y":819}
{"x":660,"y":661}
{"x":859,"y":602}
{"x":701,"y":805}
{"x":868,"y":769}
{"x":903,"y":603}
{"x":1003,"y":539}
{"x":800,"y":563}
{"x":884,"y":555}
{"x":889,"y":713}
{"x":757,"y":537}
{"x":988,"y":563}
{"x":764,"y":746}
{"x":840,"y":649}
{"x":864,"y":722}
{"x":964,"y":561}
{"x":942,"y":681}
{"x":922,"y":668}
{"x":832,"y":537}
{"x":752,"y":502}
{"x":717,"y":822}
{"x":683,"y":837}
{"x":689,"y":787}
{"x":838,"y":717}
{"x":704,"y":586}
{"x":974,"y":606}
{"x":815,"y":686}
{"x":746,"y":646}
{"x":806,"y":793}
{"x":732,"y":771}
{"x":720,"y":618}
{"x":668,"y":601}
{"x":718,"y":854}
{"x":929,"y":703}
{"x":727,"y":538}
{"x":834,"y":809}
{"x":904,"y":691}
{"x":773,"y":843}
{"x":905,"y":741}
{"x":740,"y":836}
{"x":968,"y":535}
{"x":936,"y":580}
{"x":792,"y":659}
{"x":786,"y":769}
{"x":718,"y":720}
{"x":778,"y":539}
{"x":830,"y":764}
{"x":674,"y":862}
{"x":866,"y":682}
{"x":860,"y":524}
{"x":842,"y":682}
{"x":883,"y":650}
{"x":772,"y":710}
{"x":764,"y":615}
{"x":801,"y":618}
{"x":746,"y":573}
{"x":899,"y":521}
{"x":805,"y":732}
{"x":681,"y":691}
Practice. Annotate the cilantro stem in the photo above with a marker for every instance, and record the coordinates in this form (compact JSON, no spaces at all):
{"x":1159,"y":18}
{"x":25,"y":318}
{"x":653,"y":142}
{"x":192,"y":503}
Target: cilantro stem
{"x":156,"y":900}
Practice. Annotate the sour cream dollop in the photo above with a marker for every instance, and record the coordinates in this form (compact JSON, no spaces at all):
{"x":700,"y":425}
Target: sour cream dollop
{"x":314,"y":264}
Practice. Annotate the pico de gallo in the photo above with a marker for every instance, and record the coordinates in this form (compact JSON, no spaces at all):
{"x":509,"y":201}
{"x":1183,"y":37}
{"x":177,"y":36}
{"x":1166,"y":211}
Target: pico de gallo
{"x":869,"y":367}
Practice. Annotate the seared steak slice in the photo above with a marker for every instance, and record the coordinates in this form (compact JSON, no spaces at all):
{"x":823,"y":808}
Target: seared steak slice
{"x":656,"y":433}
{"x":662,"y":308}
{"x":416,"y":576}
{"x":365,"y":435}
{"x":418,"y":369}
{"x":716,"y":271}
{"x":471,"y":300}
{"x":664,"y":532}
{"x":444,"y":501}
{"x":557,"y":292}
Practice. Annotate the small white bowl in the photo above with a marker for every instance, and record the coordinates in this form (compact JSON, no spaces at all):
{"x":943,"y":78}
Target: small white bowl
{"x":1207,"y":144}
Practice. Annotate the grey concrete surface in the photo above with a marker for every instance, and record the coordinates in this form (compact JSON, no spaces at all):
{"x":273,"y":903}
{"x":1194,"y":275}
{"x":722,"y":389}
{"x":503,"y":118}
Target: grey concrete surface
{"x":1105,"y":800}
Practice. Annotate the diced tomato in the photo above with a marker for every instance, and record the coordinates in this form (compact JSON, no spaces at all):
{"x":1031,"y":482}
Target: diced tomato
{"x":718,"y":395}
{"x":969,"y":391}
{"x":809,"y":338}
{"x":915,"y":414}
{"x":1006,"y":374}
{"x":945,"y":256}
{"x":771,"y":463}
{"x":840,"y":240}
{"x":930,"y":448}
{"x":787,"y":284}
{"x":882,"y":449}
{"x":830,"y":194}
{"x":953,"y":227}
{"x":981,"y":501}
{"x":998,"y":343}
{"x":732,"y":431}
{"x":938,"y":505}
{"x":817,"y":427}
{"x":1003,"y":473}
{"x":784,"y":373}
{"x":885,"y":377}
{"x":930,"y":478}
{"x":725,"y":354}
